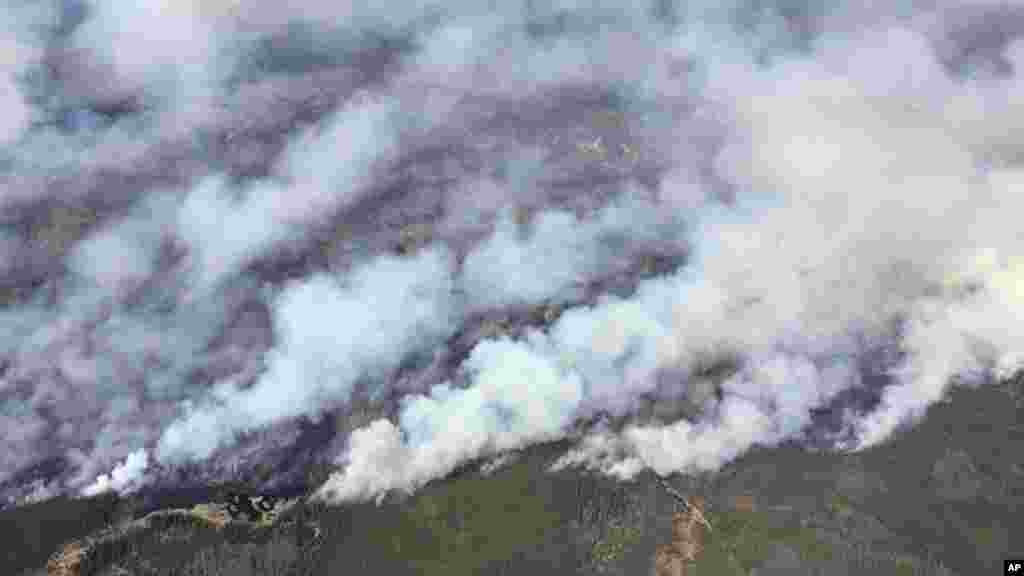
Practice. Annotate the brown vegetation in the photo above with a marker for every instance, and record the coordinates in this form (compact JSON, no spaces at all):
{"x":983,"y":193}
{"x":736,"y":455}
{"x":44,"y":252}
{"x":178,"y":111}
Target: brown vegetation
{"x":73,"y":557}
{"x":672,"y":559}
{"x":743,"y":503}
{"x":66,"y":562}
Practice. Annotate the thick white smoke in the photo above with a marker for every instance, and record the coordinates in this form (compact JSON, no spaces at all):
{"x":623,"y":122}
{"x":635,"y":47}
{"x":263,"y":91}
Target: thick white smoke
{"x":861,"y":194}
{"x":124,"y":476}
{"x":176,"y":53}
{"x":560,"y":254}
{"x":17,"y":113}
{"x":602,"y":359}
{"x":326,"y":169}
{"x":331,"y":333}
{"x":334,"y":331}
{"x":518,"y":396}
{"x":827,"y":174}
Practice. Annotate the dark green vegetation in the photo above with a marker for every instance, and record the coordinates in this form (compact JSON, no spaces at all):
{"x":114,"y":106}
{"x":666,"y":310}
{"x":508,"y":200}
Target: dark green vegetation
{"x":31,"y":533}
{"x":456,"y":528}
{"x":955,"y":483}
{"x":744,"y":539}
{"x":472,"y":525}
{"x":943,"y":497}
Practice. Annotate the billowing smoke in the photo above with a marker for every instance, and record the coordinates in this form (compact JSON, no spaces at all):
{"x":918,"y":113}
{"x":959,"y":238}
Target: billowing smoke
{"x":329,"y":336}
{"x":20,"y":49}
{"x":397,"y":238}
{"x":123,"y":477}
{"x":561,"y":254}
{"x":326,"y":171}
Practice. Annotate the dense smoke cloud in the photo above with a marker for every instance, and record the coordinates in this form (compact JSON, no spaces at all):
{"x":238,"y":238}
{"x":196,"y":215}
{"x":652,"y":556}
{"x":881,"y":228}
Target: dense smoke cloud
{"x":667,"y":232}
{"x":18,"y":53}
{"x":326,"y":171}
{"x":828,"y":250}
{"x":561,"y":253}
{"x":122,"y":478}
{"x":329,"y":337}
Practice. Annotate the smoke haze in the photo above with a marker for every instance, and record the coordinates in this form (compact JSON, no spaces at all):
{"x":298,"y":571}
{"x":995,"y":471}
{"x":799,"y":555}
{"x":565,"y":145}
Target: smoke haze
{"x":247,"y":234}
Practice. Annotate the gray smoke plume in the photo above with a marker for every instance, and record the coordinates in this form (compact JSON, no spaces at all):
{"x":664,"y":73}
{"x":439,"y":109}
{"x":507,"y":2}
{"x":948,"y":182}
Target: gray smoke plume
{"x":404,"y":236}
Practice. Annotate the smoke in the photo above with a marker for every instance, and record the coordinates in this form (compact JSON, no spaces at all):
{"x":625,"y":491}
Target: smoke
{"x":123,"y":477}
{"x":331,"y":333}
{"x":720,"y":209}
{"x":600,"y":359}
{"x":177,"y":54}
{"x":825,"y":252}
{"x":517,"y":397}
{"x":17,"y":112}
{"x":120,"y":255}
{"x":22,"y":42}
{"x":765,"y":404}
{"x":561,"y":254}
